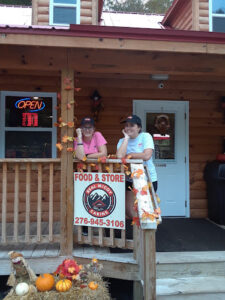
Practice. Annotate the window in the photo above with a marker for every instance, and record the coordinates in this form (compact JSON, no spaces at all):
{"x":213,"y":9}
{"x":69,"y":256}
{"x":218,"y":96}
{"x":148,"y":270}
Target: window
{"x":162,"y":128}
{"x":27,"y":125}
{"x":64,"y":12}
{"x":217,"y":15}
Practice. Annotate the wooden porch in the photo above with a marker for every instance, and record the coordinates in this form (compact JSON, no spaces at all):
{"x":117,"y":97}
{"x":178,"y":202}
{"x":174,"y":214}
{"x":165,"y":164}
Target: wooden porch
{"x":39,"y":192}
{"x":33,"y":222}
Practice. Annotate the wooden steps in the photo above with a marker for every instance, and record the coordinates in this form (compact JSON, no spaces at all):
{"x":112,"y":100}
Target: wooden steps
{"x":188,"y":264}
{"x":191,"y":288}
{"x":191,"y":275}
{"x":180,"y":275}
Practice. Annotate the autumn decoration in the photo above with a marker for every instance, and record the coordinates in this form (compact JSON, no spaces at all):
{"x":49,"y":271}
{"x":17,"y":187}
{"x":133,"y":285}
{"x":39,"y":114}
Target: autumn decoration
{"x":137,"y":173}
{"x":68,"y":269}
{"x":22,"y":289}
{"x":63,"y":285}
{"x":136,"y":221}
{"x":45,"y":282}
{"x":102,"y":159}
{"x":145,"y":200}
{"x":70,"y":281}
{"x":93,"y":285}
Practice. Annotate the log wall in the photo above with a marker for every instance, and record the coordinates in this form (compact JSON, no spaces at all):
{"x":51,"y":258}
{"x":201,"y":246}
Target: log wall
{"x":118,"y":91}
{"x":193,"y":15}
{"x":204,"y":15}
{"x":40,"y":12}
{"x":183,"y":21}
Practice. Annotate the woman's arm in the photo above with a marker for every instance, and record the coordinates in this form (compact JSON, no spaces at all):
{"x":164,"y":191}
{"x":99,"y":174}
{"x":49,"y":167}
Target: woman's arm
{"x":102,"y":151}
{"x":79,"y":151}
{"x":145,"y":155}
{"x":122,"y":150}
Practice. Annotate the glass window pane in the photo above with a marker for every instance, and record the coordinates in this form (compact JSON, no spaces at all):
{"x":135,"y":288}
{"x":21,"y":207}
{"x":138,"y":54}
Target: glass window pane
{"x":28,"y":111}
{"x":162,"y":128}
{"x":64,"y":15}
{"x":218,"y":6}
{"x":219,"y":24}
{"x":66,"y":1}
{"x":28,"y":144}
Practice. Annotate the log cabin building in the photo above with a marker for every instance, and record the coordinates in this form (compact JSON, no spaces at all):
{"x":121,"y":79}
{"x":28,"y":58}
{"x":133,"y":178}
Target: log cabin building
{"x":66,"y":55}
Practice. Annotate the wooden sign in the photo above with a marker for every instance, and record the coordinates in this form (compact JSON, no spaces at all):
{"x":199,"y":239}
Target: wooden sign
{"x":99,"y":200}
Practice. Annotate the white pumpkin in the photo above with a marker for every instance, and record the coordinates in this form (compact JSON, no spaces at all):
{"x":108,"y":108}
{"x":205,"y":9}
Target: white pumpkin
{"x":22,"y":288}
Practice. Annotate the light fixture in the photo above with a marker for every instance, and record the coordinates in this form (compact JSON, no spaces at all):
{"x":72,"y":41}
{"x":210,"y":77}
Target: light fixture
{"x":96,"y":104}
{"x":159,"y":77}
{"x":96,"y":96}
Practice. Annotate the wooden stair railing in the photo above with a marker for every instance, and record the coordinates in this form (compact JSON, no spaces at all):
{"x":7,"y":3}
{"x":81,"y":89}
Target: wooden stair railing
{"x":149,"y":216}
{"x":96,"y":236}
{"x":143,"y":243}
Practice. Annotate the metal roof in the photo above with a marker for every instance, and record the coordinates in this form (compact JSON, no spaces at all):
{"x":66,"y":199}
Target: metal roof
{"x":122,"y":19}
{"x":93,"y":31}
{"x":115,"y":32}
{"x":15,"y":15}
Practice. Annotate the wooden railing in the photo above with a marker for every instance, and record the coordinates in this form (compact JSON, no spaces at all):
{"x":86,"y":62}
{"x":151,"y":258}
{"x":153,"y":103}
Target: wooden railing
{"x":29,"y":194}
{"x":143,"y":242}
{"x":31,"y":197}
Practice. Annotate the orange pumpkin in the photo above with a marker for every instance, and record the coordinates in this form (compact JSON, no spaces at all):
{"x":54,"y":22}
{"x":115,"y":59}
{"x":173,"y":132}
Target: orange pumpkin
{"x":93,"y":285}
{"x":45,"y":282}
{"x":63,"y":285}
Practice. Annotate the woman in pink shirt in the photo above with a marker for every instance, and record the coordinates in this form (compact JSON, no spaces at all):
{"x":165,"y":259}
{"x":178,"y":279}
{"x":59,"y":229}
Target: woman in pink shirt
{"x":89,"y":143}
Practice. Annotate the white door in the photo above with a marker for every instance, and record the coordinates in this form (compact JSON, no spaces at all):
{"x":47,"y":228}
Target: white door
{"x":167,"y":121}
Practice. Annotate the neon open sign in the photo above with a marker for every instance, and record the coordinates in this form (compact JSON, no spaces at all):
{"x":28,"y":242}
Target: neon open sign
{"x":31,"y":105}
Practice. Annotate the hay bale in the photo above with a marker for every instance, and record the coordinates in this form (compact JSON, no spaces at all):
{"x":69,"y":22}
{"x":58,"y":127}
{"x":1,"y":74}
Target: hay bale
{"x":75,"y":293}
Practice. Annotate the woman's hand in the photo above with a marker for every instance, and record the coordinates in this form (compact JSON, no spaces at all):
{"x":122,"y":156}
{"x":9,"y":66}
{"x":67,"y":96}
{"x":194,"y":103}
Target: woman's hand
{"x":126,"y":136}
{"x":79,"y":133}
{"x":121,"y":152}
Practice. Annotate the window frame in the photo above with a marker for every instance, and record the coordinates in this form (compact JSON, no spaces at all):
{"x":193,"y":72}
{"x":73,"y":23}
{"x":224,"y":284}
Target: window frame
{"x":51,"y":10}
{"x":4,"y":128}
{"x":211,"y":15}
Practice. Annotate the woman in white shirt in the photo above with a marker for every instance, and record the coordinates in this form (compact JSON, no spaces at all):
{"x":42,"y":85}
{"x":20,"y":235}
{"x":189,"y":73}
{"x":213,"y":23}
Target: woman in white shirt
{"x":138,"y":145}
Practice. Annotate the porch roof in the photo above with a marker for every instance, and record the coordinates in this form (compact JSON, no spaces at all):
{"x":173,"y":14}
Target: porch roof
{"x":110,"y":37}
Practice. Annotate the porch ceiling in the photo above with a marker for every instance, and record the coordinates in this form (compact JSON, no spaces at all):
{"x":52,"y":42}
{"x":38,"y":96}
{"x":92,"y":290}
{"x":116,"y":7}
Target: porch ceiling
{"x":110,"y":61}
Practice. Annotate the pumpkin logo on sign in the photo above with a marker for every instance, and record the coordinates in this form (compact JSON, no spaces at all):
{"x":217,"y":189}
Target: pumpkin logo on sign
{"x":99,"y":200}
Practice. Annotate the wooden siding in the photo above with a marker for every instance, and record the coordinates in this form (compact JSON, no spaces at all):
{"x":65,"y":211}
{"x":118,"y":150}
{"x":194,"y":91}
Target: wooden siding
{"x":118,"y":91}
{"x":192,"y":15}
{"x":40,"y":12}
{"x":204,"y":15}
{"x":183,"y":21}
{"x":206,"y":120}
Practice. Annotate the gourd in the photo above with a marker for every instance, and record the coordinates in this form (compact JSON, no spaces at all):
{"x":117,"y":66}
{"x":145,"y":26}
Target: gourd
{"x":93,"y":285}
{"x":63,"y":285}
{"x":22,"y":288}
{"x":45,"y":282}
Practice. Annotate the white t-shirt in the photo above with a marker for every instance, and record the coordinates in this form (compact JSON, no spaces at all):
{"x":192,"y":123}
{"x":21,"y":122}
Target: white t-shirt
{"x":143,"y":141}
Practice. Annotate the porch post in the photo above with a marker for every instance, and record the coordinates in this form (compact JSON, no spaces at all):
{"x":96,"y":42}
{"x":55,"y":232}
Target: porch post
{"x":149,"y":264}
{"x":66,"y":204}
